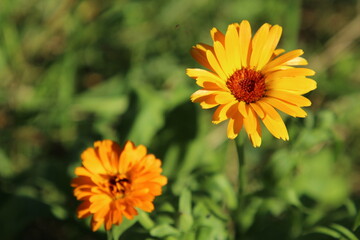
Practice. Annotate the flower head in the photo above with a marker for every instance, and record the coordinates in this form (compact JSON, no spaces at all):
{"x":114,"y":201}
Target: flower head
{"x":113,"y":181}
{"x":248,"y":79}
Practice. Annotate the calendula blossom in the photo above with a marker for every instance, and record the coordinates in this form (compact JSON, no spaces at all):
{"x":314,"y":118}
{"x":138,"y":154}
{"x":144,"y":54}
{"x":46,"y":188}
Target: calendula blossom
{"x":113,"y":181}
{"x":249,"y":79}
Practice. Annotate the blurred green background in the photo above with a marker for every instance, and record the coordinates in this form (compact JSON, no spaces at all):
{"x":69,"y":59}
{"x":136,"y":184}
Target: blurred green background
{"x":73,"y":72}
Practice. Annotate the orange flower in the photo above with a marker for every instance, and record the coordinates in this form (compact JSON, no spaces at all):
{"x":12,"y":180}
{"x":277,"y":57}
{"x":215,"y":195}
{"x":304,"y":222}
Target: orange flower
{"x":112,"y":182}
{"x":248,"y":79}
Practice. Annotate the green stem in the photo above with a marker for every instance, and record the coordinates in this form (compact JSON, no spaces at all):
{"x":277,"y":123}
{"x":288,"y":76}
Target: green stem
{"x":240,"y":190}
{"x":110,"y":235}
{"x":241,"y":166}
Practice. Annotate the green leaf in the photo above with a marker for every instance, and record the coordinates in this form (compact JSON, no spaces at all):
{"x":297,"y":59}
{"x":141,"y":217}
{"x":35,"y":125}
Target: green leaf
{"x":188,"y":236}
{"x":185,"y":222}
{"x":215,"y":209}
{"x":336,"y":231}
{"x":227,"y":190}
{"x":164,"y":230}
{"x":204,"y":233}
{"x":357,"y":222}
{"x":117,"y":231}
{"x":185,"y":218}
{"x":6,"y":169}
{"x":149,"y":120}
{"x":185,"y":201}
{"x":344,"y":231}
{"x":145,"y":220}
{"x":327,"y":231}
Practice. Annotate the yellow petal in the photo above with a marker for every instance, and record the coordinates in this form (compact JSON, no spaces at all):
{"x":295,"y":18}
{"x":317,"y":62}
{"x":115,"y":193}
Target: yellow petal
{"x":276,"y":127}
{"x":281,"y":60}
{"x":232,"y":48}
{"x":250,"y":123}
{"x":252,"y":127}
{"x":258,"y":43}
{"x":207,"y":105}
{"x":278,"y":51}
{"x":258,"y":110}
{"x":224,"y":97}
{"x":269,"y":110}
{"x":202,"y":93}
{"x":201,"y":73}
{"x":242,"y":109}
{"x":206,"y":100}
{"x":290,"y":97}
{"x":299,"y":85}
{"x":287,"y":108}
{"x":256,"y":137}
{"x":269,"y":46}
{"x":215,"y":64}
{"x":208,"y":84}
{"x":221,"y":56}
{"x":292,"y":72}
{"x":244,"y":42}
{"x":297,"y":61}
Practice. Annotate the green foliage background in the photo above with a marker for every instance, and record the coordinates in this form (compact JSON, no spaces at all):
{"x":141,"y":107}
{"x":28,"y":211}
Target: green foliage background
{"x":72,"y":72}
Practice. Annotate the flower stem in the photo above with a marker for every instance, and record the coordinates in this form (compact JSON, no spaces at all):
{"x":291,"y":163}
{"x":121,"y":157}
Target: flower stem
{"x":241,"y":165}
{"x":240,"y":189}
{"x":110,"y":235}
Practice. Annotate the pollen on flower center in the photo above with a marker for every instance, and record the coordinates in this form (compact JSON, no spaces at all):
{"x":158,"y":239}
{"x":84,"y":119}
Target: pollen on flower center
{"x":247,"y":85}
{"x":118,"y":186}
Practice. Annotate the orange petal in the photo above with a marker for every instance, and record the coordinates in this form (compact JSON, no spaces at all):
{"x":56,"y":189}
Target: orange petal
{"x":91,"y":161}
{"x":234,"y":127}
{"x":216,"y":35}
{"x":83,"y":210}
{"x":198,"y":52}
{"x":95,"y":225}
{"x":221,"y":112}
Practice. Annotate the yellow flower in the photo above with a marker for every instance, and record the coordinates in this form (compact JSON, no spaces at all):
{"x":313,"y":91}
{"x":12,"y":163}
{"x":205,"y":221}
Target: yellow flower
{"x":113,"y":181}
{"x":248,"y":79}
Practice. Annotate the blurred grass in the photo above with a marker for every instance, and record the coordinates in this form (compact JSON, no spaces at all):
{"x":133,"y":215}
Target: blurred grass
{"x":73,"y":72}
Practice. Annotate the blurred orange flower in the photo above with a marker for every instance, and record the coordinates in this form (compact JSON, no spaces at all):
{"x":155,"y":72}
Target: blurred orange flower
{"x":113,"y":181}
{"x":248,"y":78}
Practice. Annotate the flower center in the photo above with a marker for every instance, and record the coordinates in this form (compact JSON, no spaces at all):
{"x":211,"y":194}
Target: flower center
{"x":118,"y":186}
{"x":247,"y":85}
